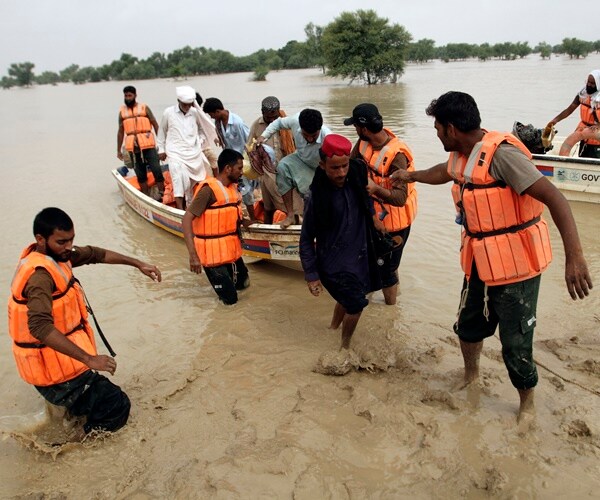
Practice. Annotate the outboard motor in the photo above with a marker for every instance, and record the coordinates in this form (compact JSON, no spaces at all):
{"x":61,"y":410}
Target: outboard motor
{"x":532,"y":138}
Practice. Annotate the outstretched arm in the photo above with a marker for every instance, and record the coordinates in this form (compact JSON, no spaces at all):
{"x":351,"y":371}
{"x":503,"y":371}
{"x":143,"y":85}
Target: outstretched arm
{"x":577,"y":276}
{"x":565,"y":112}
{"x":111,"y":257}
{"x":437,"y":174}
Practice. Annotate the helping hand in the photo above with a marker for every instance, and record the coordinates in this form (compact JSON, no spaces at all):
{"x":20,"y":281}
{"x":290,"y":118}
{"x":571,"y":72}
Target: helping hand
{"x":151,"y":271}
{"x":400,"y":175}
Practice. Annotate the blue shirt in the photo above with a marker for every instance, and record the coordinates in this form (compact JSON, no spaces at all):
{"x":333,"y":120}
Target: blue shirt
{"x":307,"y":152}
{"x":236,"y":133}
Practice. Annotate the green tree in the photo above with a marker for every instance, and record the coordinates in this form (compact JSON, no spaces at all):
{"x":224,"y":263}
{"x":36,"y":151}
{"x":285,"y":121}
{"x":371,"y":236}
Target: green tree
{"x":294,"y":55}
{"x":260,"y":74}
{"x":576,"y":48}
{"x":360,"y":45}
{"x":484,"y":52}
{"x":66,"y":75}
{"x":7,"y":82}
{"x":314,"y":46}
{"x":421,"y":51}
{"x":544,"y":49}
{"x":522,"y":49}
{"x":47,"y":78}
{"x":22,"y":73}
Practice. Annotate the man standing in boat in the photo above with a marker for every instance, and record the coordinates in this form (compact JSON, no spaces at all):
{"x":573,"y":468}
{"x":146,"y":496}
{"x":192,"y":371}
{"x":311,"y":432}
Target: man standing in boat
{"x":588,"y":99}
{"x":211,"y":229}
{"x":184,"y":140}
{"x":500,"y":196}
{"x":282,"y":144}
{"x":335,"y":246}
{"x":297,"y":170}
{"x":232,"y":133}
{"x":53,"y":342}
{"x":396,"y":205}
{"x":136,"y":122}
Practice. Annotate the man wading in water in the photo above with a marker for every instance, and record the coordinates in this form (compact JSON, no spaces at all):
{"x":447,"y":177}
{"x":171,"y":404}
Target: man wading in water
{"x":500,"y":196}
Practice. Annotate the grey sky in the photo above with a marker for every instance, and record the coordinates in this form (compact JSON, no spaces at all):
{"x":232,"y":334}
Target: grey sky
{"x":56,"y":33}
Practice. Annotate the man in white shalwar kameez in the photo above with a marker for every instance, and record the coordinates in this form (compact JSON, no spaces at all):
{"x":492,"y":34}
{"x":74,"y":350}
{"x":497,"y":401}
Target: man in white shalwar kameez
{"x":184,"y":140}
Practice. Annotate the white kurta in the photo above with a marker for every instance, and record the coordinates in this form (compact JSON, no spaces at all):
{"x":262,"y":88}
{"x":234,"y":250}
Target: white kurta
{"x":183,"y":137}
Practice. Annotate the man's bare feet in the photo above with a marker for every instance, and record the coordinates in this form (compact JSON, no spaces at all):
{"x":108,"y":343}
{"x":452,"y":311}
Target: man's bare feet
{"x":526,"y":416}
{"x":287,"y":222}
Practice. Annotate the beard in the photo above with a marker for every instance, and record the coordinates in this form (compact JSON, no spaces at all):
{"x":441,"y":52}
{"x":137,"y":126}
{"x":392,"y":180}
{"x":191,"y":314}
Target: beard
{"x":58,"y":257}
{"x":129,"y":102}
{"x":590,"y":90}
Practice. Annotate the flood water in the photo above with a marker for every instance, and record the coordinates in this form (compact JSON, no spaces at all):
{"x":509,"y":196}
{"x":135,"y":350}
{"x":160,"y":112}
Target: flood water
{"x":58,"y":148}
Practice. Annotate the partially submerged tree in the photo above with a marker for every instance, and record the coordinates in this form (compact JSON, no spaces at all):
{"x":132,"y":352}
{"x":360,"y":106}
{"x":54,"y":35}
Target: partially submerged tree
{"x":362,"y":46}
{"x":22,"y":73}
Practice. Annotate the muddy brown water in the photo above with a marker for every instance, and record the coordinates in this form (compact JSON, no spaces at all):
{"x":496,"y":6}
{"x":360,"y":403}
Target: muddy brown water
{"x":225,"y":403}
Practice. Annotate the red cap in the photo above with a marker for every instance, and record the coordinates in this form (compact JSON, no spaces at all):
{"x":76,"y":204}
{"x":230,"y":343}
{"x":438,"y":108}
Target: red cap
{"x":336,"y":145}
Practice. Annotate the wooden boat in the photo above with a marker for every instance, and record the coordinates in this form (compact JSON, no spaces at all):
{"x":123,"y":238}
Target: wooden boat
{"x":259,"y":242}
{"x":577,"y":178}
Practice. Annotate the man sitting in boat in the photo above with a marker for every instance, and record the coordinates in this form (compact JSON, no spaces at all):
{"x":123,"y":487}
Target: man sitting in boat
{"x":211,"y":229}
{"x":283,"y":144}
{"x":296,"y":171}
{"x":136,"y":122}
{"x":184,"y":140}
{"x":587,"y":131}
{"x":232,"y":133}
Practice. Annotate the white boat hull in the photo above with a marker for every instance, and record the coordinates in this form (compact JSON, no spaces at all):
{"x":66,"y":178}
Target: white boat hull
{"x":259,"y":242}
{"x":577,"y":178}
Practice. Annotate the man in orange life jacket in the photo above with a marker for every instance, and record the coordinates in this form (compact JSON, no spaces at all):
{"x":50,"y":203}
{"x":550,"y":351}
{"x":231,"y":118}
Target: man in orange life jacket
{"x":136,"y":122}
{"x":505,"y":241}
{"x":589,"y":148}
{"x":53,"y":343}
{"x":211,"y":229}
{"x":396,"y":205}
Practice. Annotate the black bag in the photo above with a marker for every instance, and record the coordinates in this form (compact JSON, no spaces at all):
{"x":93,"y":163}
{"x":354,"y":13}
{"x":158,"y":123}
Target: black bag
{"x":383,"y":243}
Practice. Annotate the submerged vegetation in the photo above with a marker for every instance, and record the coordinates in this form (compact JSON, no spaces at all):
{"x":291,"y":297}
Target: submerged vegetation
{"x":356,"y":45}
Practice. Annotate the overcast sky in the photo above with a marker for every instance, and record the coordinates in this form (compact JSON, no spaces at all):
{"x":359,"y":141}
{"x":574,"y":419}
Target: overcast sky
{"x":56,"y":33}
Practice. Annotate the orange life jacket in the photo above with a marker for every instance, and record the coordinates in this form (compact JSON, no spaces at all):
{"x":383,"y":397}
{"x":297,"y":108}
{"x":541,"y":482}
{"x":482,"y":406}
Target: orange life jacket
{"x":503,"y":231}
{"x":216,"y":231}
{"x":38,"y":364}
{"x":587,"y":116}
{"x":379,"y":162}
{"x":137,"y":127}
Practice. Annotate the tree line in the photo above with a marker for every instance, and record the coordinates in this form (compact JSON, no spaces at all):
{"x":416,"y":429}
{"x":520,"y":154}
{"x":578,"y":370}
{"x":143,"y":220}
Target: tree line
{"x":356,"y":46}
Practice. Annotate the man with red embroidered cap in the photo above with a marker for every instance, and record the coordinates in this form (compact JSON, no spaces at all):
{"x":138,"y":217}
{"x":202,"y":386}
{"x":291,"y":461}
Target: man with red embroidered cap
{"x":335,"y":243}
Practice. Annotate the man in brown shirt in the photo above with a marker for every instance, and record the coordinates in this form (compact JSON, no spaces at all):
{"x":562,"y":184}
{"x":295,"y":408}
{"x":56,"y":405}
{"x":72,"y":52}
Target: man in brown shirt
{"x":63,"y":365}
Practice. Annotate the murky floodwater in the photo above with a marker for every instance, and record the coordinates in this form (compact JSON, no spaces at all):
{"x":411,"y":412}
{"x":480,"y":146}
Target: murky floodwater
{"x":58,"y":147}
